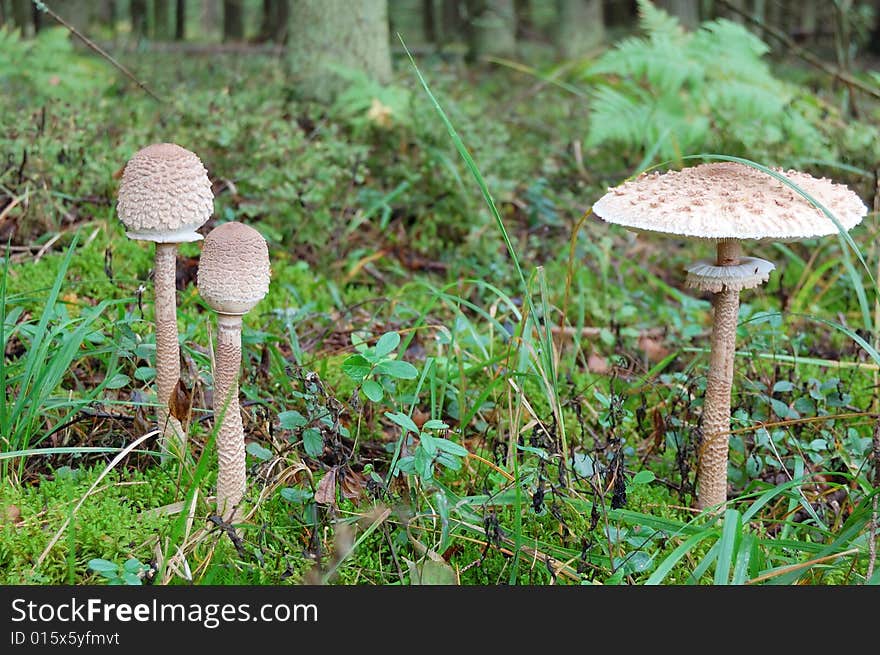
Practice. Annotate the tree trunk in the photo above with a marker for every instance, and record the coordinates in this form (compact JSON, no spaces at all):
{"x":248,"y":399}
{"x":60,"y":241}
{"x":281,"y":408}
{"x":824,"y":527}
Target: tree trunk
{"x":273,"y":25}
{"x":138,"y":9}
{"x":180,"y":21}
{"x":491,"y":29}
{"x":687,"y":11}
{"x":233,"y":24}
{"x":525,"y":24}
{"x":451,"y":23}
{"x":161,"y":19}
{"x":428,"y":24}
{"x":579,"y":27}
{"x":620,"y":13}
{"x":328,"y":33}
{"x":20,"y":17}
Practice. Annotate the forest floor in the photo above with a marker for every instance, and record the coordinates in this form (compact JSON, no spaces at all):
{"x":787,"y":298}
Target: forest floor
{"x":575,"y":390}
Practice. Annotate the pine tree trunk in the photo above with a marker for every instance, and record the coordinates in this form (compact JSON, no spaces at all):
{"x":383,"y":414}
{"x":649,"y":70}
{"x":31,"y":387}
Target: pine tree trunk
{"x":428,"y":24}
{"x":327,"y":33}
{"x":20,"y":17}
{"x":620,"y":13}
{"x":161,"y":18}
{"x":138,"y":10}
{"x":579,"y":27}
{"x":687,"y":11}
{"x":180,"y":21}
{"x":233,"y":24}
{"x":491,"y":28}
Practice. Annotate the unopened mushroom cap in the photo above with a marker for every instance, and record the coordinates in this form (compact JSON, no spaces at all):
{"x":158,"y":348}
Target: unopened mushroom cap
{"x":165,"y":195}
{"x":729,"y":200}
{"x":233,"y":271}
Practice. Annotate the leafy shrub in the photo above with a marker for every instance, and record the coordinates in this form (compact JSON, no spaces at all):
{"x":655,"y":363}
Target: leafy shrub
{"x":674,"y":92}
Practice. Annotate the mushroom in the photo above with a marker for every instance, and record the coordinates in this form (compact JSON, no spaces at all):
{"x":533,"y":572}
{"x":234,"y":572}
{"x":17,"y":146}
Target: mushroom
{"x":727,"y":203}
{"x":233,"y":277}
{"x":165,"y":196}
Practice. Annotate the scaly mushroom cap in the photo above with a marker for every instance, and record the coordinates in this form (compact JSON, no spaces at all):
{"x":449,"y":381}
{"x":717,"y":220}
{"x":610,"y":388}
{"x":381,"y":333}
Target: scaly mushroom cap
{"x":233,"y":271}
{"x":729,"y":200}
{"x":165,"y":195}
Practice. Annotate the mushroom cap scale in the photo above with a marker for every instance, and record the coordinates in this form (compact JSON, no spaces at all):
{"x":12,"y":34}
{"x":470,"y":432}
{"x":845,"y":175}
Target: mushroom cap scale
{"x":165,"y":195}
{"x":233,"y":273}
{"x":729,"y":200}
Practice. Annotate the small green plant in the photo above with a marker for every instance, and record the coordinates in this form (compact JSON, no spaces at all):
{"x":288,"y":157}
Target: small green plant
{"x":375,"y":368}
{"x":430,"y":449}
{"x":132,"y":572}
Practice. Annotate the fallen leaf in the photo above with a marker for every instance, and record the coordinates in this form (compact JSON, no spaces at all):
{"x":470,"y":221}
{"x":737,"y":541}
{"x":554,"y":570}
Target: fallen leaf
{"x":180,"y":402}
{"x":12,"y":514}
{"x":326,"y":491}
{"x":353,"y":484}
{"x":598,"y":364}
{"x":653,"y":348}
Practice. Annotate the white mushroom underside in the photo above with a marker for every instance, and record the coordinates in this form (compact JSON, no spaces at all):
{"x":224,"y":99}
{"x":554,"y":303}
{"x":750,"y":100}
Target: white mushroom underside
{"x":751,"y":272}
{"x":730,"y":201}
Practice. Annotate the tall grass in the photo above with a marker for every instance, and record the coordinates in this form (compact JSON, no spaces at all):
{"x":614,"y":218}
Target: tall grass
{"x":31,"y":394}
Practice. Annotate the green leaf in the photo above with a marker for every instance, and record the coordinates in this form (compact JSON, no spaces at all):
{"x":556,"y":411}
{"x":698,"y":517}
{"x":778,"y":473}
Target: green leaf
{"x":373,"y":390}
{"x":432,"y":572}
{"x":403,"y":421}
{"x":255,"y":449}
{"x":292,"y":419}
{"x":117,"y":381}
{"x":103,"y":566}
{"x":427,"y":443}
{"x":313,"y":442}
{"x":134,"y":565}
{"x":434,"y":424}
{"x":131,"y":578}
{"x":450,"y":447}
{"x":144,"y":373}
{"x":398,"y":369}
{"x":387,"y":343}
{"x":643,"y":477}
{"x":730,"y":533}
{"x":356,"y":367}
{"x":294,"y":495}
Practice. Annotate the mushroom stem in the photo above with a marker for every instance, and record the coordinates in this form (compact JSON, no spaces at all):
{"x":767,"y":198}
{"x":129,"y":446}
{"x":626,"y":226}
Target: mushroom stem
{"x":712,"y":454}
{"x":173,"y":440}
{"x":230,"y":435}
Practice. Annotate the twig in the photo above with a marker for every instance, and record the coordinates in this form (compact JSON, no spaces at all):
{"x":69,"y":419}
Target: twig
{"x":804,"y":54}
{"x":94,"y":46}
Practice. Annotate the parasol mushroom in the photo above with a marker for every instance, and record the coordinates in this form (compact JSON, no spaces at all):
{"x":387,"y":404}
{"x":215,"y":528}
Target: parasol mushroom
{"x":165,"y":196}
{"x":233,"y":277}
{"x":727,"y":203}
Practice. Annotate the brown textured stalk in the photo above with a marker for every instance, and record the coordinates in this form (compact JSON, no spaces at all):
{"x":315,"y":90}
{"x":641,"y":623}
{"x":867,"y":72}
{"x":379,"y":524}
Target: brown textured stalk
{"x":173,"y":439}
{"x":712,"y":456}
{"x":230,"y":435}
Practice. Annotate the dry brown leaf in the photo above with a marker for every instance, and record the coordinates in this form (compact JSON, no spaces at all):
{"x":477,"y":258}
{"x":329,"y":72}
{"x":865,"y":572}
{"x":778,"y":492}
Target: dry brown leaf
{"x":180,"y":402}
{"x":353,"y":484}
{"x":326,"y":491}
{"x":598,"y":364}
{"x":12,"y":514}
{"x":653,"y":348}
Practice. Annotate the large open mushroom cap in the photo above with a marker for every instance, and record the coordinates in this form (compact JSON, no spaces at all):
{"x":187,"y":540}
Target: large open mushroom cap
{"x":233,"y":271}
{"x":729,"y":200}
{"x":165,"y":195}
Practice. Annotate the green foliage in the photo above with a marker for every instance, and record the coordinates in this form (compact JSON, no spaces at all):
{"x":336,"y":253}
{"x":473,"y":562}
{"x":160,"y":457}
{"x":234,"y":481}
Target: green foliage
{"x":53,"y":343}
{"x":374,"y":368}
{"x":672,"y":92}
{"x":132,"y":571}
{"x":47,"y":67}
